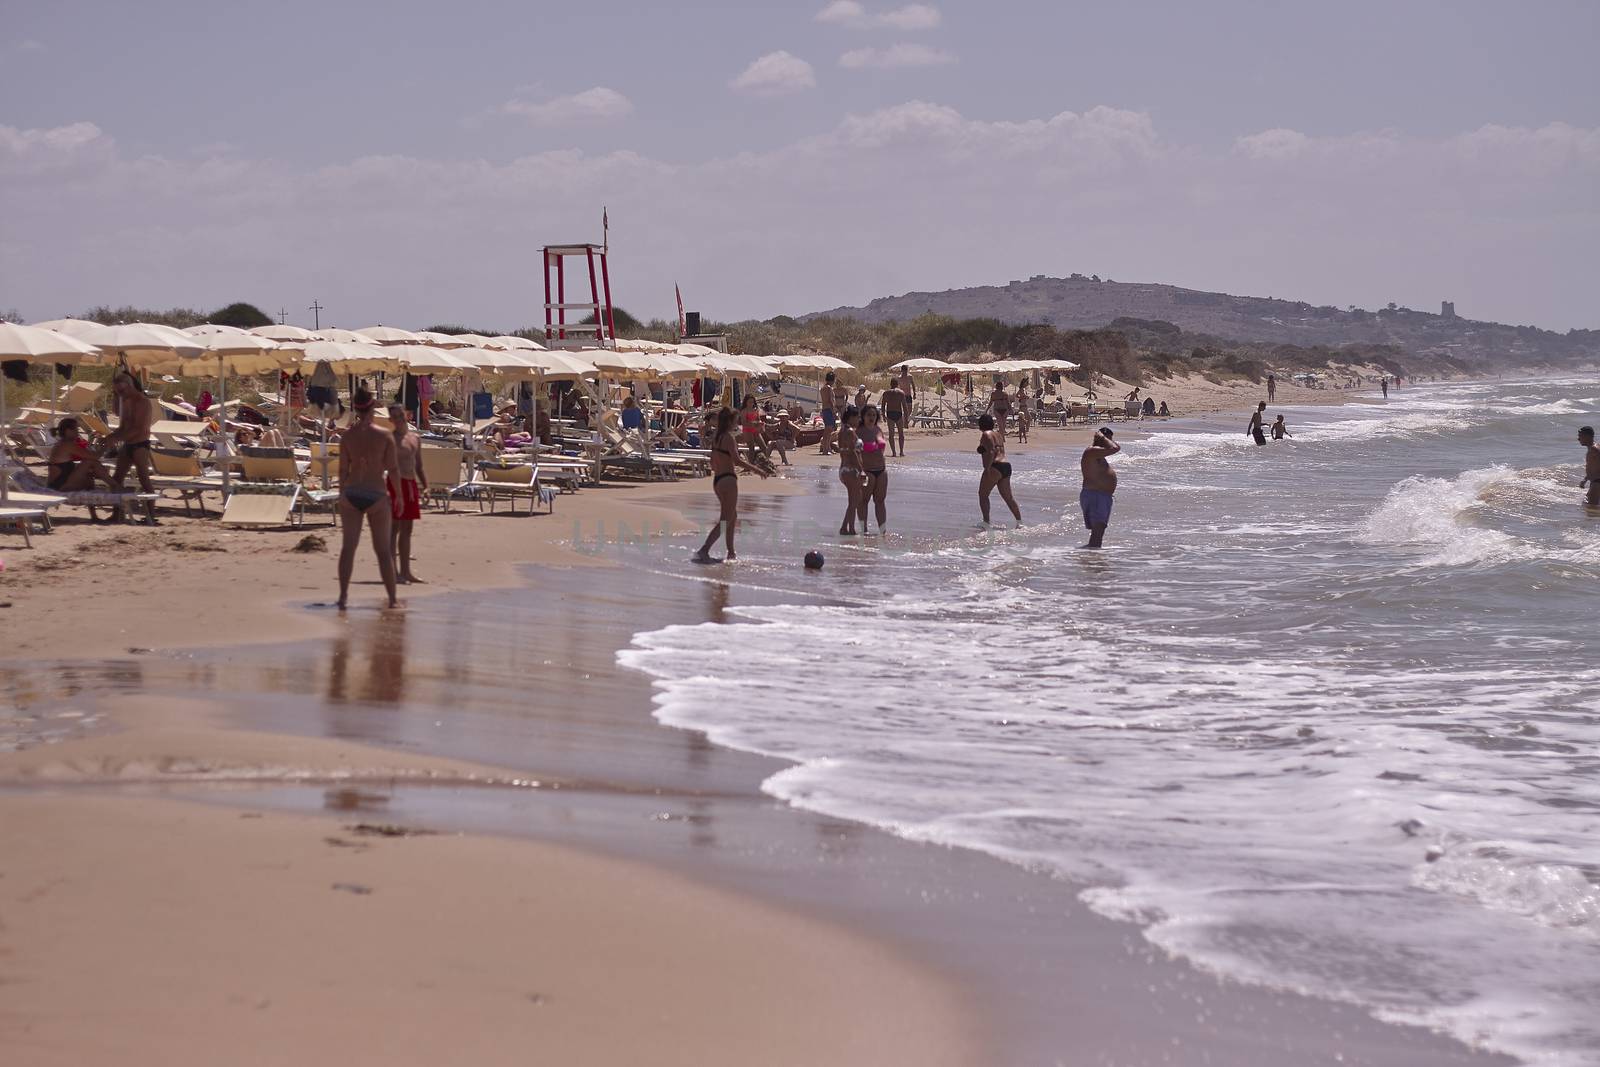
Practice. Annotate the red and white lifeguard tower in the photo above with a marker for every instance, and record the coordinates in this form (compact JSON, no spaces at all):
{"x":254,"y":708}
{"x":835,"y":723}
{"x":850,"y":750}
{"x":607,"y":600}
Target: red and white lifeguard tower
{"x":563,"y":325}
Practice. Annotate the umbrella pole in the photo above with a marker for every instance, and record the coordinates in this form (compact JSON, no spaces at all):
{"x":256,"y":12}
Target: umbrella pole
{"x":5,"y":442}
{"x":222,"y":423}
{"x":52,"y":393}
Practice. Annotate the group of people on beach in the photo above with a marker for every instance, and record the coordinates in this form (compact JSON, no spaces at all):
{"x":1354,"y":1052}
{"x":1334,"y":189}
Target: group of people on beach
{"x":865,"y":435}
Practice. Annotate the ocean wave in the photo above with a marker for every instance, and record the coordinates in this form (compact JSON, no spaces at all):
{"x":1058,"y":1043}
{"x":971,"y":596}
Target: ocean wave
{"x":1432,"y":512}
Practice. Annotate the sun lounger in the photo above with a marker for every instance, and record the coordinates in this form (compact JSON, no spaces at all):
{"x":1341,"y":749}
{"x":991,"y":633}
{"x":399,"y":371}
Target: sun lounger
{"x":441,"y":467}
{"x":495,"y":481}
{"x":20,"y":517}
{"x":272,"y":492}
{"x":79,"y":396}
{"x":179,"y":471}
{"x":174,"y":434}
{"x":30,"y":483}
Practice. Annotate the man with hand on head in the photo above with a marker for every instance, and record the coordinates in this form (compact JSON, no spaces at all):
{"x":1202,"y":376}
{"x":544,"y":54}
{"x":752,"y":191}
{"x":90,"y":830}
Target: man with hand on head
{"x":1099,"y":484}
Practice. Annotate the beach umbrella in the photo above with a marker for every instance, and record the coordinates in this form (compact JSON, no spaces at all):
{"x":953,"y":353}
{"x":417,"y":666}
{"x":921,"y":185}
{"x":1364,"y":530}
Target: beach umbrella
{"x":389,"y":335}
{"x":334,"y":333}
{"x":442,"y":340}
{"x":470,"y":340}
{"x":31,"y":344}
{"x":923,"y":363}
{"x":141,"y":342}
{"x":240,"y":353}
{"x":207,"y":329}
{"x":425,"y":359}
{"x":514,"y":343}
{"x":70,"y":327}
{"x":347,"y":358}
{"x":282,"y":332}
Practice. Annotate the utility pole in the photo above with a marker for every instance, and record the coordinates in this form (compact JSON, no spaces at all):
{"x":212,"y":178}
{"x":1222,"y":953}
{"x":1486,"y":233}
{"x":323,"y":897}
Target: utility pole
{"x":316,"y":310}
{"x":283,"y":316}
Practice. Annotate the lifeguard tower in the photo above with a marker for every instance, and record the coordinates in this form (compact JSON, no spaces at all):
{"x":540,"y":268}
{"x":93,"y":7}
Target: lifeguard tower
{"x":563,"y":319}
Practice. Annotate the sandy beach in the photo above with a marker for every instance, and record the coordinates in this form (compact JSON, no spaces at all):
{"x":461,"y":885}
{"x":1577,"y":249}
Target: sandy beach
{"x":591,"y":886}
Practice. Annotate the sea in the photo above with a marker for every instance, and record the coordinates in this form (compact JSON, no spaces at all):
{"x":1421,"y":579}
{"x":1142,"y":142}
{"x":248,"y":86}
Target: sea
{"x":1322,"y":716}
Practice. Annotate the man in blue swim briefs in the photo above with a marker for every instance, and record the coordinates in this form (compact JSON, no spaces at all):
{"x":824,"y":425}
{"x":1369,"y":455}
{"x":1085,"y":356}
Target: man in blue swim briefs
{"x":1099,"y":484}
{"x":830,"y":417}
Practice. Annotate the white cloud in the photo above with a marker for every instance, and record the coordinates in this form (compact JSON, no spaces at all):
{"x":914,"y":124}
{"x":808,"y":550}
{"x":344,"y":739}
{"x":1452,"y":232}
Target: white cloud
{"x":896,"y":55}
{"x":1501,"y":219}
{"x":774,"y":74}
{"x":910,"y":17}
{"x":592,"y":105}
{"x":843,"y":12}
{"x":30,"y":45}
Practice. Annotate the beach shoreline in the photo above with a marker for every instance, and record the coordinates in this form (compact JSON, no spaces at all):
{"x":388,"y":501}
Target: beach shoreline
{"x":599,"y":779}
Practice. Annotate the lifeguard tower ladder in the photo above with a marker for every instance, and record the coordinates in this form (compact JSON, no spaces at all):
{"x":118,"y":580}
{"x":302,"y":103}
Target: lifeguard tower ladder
{"x":558,"y":331}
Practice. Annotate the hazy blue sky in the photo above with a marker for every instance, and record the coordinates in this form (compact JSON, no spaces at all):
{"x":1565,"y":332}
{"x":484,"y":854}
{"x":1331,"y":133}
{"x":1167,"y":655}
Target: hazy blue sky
{"x":402,"y":161}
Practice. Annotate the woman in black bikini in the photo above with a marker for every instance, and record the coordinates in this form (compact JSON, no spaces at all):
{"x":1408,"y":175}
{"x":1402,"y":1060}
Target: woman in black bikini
{"x":873,"y":444}
{"x":996,"y":471}
{"x":73,"y":466}
{"x":725,"y":461}
{"x":850,"y":473}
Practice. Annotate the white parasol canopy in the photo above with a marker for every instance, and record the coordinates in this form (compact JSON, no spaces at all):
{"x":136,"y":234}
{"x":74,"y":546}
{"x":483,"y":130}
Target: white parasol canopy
{"x":70,"y":327}
{"x":425,"y":359}
{"x":35,"y":345}
{"x":514,"y":343}
{"x":441,"y":340}
{"x":389,"y":335}
{"x":347,"y":358}
{"x":207,"y":329}
{"x":281,"y":332}
{"x":141,"y":343}
{"x":335,"y":333}
{"x":561,"y":366}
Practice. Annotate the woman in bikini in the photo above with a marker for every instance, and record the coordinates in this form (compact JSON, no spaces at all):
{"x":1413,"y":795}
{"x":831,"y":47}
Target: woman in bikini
{"x":725,"y":461}
{"x":73,"y":466}
{"x":368,"y":472}
{"x":996,"y":471}
{"x":873,"y":444}
{"x":1024,"y":410}
{"x":850,"y":473}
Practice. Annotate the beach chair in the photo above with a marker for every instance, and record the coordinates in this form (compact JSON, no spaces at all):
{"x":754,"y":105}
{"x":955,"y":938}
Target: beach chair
{"x":442,"y":469}
{"x":272,"y":492}
{"x":20,"y":517}
{"x":179,"y":471}
{"x":80,"y":396}
{"x":495,"y":481}
{"x":94,"y":424}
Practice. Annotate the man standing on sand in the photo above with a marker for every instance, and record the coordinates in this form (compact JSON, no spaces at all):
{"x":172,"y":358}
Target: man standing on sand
{"x":1099,"y":484}
{"x":367,"y":465}
{"x":1272,"y":387}
{"x":830,"y":420}
{"x":1254,"y":429}
{"x":1384,"y":381}
{"x":132,"y":432}
{"x":407,"y":506}
{"x":896,"y":411}
{"x":1591,"y":466}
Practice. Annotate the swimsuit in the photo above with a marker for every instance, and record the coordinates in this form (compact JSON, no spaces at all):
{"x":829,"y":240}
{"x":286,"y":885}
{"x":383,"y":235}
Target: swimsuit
{"x":1003,"y":467}
{"x":407,"y":507}
{"x":363,"y":499}
{"x":1096,"y":505}
{"x":725,"y":474}
{"x":63,"y":473}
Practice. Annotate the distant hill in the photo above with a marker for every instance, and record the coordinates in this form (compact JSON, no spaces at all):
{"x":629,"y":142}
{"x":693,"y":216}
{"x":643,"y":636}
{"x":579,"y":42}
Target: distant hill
{"x":1086,"y":303}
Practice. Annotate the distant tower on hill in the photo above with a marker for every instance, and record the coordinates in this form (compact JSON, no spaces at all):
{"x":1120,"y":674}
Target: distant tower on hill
{"x":1447,"y":309}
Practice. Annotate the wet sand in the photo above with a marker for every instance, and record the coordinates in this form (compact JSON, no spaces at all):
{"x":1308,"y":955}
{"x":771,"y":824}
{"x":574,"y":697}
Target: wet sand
{"x":475,"y":691}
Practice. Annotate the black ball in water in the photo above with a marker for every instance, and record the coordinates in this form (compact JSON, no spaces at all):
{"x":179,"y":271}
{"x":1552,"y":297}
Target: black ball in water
{"x":813,"y":560}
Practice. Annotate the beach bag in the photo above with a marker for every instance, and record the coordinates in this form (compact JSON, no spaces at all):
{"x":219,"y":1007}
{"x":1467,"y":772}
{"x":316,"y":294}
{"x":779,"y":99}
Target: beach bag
{"x":482,"y":406}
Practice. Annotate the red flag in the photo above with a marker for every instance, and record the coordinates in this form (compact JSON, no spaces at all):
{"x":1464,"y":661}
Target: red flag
{"x":682,"y":326}
{"x":605,"y":227}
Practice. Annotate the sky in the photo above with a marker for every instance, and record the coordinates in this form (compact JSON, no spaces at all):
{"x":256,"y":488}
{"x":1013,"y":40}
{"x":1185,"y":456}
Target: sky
{"x":403,"y":162}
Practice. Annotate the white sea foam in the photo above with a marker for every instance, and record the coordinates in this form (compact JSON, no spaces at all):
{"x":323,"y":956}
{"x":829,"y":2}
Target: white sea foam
{"x":1435,"y":513}
{"x":1318,"y":745}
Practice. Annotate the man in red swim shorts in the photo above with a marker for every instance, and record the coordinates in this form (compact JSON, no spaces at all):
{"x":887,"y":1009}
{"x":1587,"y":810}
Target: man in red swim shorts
{"x":407,"y":507}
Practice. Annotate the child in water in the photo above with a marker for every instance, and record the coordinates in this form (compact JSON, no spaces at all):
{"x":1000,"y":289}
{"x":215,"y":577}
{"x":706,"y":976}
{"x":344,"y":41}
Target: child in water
{"x":1279,"y":430}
